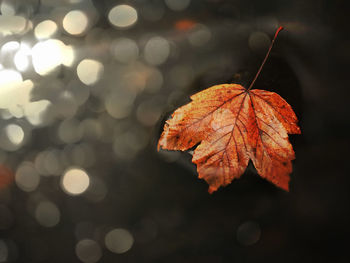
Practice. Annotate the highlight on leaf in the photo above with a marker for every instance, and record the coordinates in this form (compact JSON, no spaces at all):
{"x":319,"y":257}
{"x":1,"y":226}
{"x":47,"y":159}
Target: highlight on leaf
{"x":233,"y":125}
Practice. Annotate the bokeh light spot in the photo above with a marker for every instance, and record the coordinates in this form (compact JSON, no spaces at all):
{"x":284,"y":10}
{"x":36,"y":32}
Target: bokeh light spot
{"x":75,"y":22}
{"x":148,"y":112}
{"x":47,"y":214}
{"x":90,"y":71}
{"x":88,"y":251}
{"x":10,"y":46}
{"x":68,"y":55}
{"x":75,"y":181}
{"x":10,"y":25}
{"x":21,"y":60}
{"x":70,"y":131}
{"x":14,"y":133}
{"x":35,"y":111}
{"x":27,"y":178}
{"x":199,"y":35}
{"x":65,"y":105}
{"x":154,"y":81}
{"x":259,"y":41}
{"x":40,"y":163}
{"x":122,"y":16}
{"x":45,"y":29}
{"x":10,"y":77}
{"x":119,"y":240}
{"x":47,"y":55}
{"x":128,"y":144}
{"x":7,"y":8}
{"x":157,"y":50}
{"x":119,"y":104}
{"x":124,"y":50}
{"x":19,"y":92}
{"x":52,"y":162}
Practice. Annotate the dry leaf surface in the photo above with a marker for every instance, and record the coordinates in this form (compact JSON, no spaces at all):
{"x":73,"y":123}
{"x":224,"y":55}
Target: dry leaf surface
{"x":233,"y":125}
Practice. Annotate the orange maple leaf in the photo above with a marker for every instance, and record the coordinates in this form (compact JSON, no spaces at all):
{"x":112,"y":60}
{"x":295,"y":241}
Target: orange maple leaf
{"x":234,"y":125}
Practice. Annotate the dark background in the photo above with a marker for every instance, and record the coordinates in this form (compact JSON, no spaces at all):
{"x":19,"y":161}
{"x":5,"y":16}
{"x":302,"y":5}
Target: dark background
{"x":158,"y":198}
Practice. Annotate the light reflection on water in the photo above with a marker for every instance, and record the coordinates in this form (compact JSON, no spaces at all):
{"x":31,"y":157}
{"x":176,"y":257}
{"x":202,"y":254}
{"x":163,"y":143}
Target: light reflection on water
{"x":82,"y":87}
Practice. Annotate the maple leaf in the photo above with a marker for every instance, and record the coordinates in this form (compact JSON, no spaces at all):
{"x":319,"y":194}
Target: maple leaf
{"x":233,"y":125}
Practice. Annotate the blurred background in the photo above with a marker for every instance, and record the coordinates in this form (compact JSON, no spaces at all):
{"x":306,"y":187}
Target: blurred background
{"x":85,"y":88}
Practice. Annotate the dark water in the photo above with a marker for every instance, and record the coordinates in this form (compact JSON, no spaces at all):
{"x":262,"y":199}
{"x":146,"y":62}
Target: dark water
{"x":145,"y":206}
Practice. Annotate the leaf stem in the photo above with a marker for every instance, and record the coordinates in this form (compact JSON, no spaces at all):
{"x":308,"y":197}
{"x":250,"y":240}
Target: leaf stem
{"x":266,"y":56}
